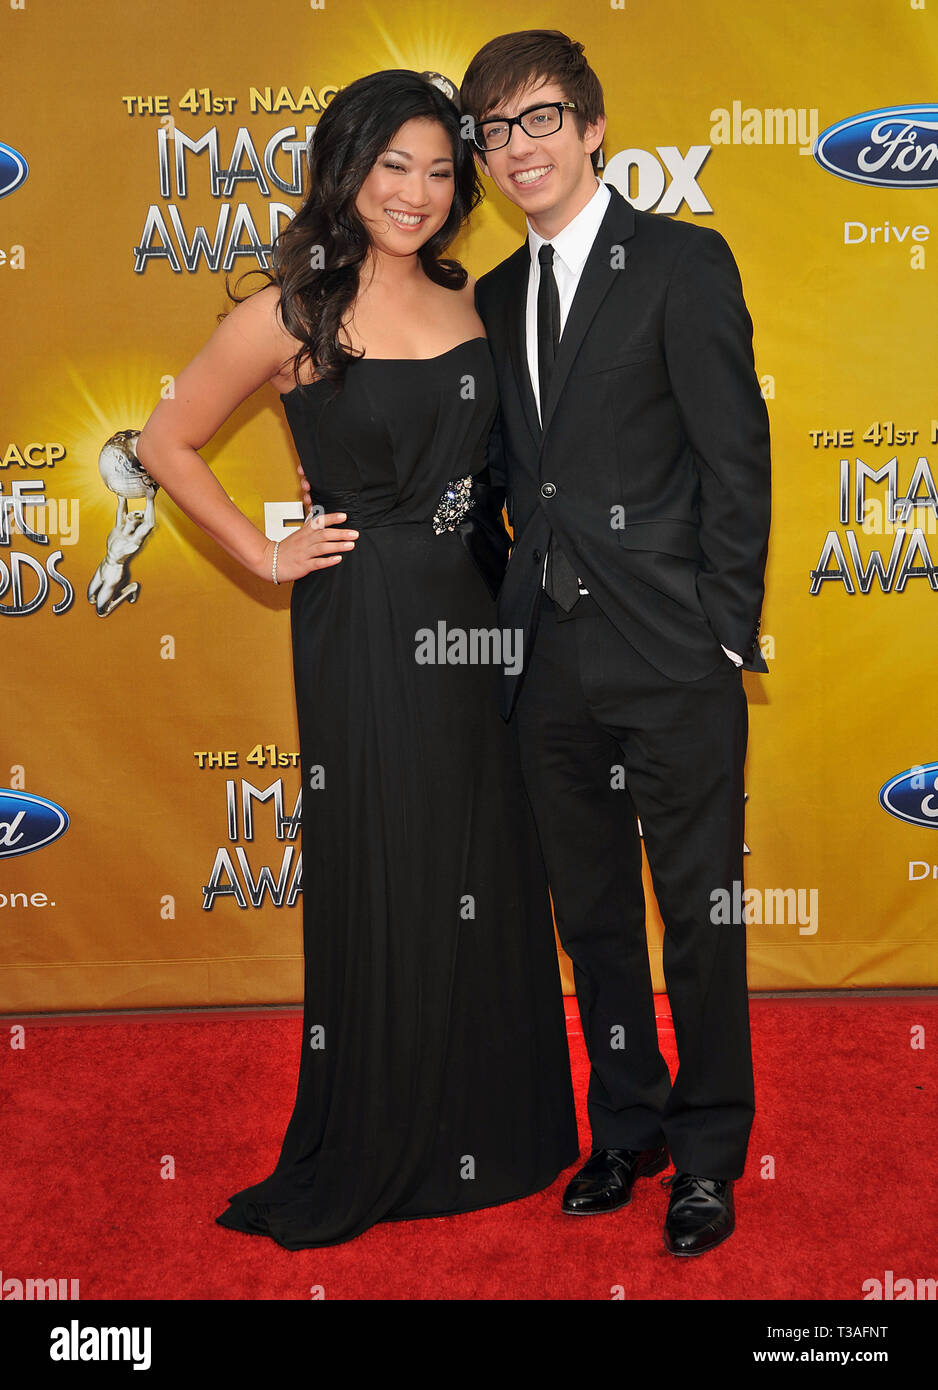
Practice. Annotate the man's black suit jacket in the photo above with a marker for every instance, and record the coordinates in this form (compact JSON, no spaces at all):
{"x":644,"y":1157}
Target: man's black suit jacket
{"x":652,"y":468}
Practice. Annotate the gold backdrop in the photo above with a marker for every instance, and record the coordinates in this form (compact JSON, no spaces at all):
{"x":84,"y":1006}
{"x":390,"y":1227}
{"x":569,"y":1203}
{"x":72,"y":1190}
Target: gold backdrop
{"x":148,"y":726}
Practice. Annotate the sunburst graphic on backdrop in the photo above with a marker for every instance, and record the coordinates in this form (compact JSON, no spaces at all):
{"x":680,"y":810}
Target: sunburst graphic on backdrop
{"x":418,"y":44}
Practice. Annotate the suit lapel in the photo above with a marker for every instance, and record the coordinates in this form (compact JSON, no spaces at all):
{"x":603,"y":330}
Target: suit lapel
{"x":515,"y":310}
{"x":607,"y":257}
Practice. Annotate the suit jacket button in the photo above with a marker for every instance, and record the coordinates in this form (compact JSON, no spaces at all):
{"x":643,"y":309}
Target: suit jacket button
{"x":548,"y":490}
{"x":537,"y":557}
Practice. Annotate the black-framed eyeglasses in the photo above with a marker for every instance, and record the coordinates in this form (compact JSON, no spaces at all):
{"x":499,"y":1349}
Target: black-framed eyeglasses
{"x":536,"y":121}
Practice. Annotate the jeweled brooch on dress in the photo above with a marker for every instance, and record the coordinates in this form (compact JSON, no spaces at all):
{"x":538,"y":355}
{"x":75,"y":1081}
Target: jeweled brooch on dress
{"x":453,"y":505}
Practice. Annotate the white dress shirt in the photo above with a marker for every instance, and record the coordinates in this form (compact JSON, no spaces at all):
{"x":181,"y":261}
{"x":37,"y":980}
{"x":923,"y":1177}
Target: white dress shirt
{"x":572,"y":245}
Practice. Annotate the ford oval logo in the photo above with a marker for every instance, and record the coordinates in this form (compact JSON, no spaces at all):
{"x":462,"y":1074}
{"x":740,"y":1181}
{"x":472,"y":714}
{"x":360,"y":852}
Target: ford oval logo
{"x":28,"y":822}
{"x":913,"y":795}
{"x":13,"y":169}
{"x":896,"y":147}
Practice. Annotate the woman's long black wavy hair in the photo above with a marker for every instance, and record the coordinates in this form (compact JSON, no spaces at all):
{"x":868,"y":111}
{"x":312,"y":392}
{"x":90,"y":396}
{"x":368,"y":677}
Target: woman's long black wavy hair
{"x":355,"y":129}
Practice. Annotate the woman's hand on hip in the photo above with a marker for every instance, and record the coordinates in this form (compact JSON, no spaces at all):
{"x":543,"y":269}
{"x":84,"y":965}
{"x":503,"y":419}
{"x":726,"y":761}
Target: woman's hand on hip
{"x":317,"y":544}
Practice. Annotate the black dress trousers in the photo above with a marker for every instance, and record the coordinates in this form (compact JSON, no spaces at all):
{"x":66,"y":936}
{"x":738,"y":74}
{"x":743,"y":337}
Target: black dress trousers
{"x":606,"y":738}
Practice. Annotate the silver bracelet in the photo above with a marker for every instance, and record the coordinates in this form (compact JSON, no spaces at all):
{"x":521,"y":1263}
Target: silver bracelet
{"x":273,"y":563}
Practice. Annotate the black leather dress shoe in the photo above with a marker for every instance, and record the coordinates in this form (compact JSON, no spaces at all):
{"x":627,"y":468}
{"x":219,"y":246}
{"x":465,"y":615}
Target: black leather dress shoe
{"x":700,"y":1213}
{"x":605,"y":1181}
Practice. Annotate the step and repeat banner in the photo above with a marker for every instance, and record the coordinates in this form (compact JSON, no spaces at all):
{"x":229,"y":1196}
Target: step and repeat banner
{"x":150,"y":793}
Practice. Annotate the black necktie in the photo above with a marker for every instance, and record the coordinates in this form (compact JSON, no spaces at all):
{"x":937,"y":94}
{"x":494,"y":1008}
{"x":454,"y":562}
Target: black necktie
{"x":548,"y":322}
{"x":560,"y":581}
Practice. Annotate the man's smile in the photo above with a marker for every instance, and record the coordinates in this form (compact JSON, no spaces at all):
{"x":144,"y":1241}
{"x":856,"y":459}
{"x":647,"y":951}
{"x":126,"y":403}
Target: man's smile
{"x":536,"y":174}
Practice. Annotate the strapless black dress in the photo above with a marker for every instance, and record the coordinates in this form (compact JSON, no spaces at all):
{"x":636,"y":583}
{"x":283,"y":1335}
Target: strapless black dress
{"x":434,"y":1075}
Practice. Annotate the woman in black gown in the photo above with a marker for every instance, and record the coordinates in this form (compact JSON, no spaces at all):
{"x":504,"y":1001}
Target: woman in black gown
{"x":434,"y":1075}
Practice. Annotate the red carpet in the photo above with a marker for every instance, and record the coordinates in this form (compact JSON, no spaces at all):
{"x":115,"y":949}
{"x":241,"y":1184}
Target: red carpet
{"x":93,"y":1107}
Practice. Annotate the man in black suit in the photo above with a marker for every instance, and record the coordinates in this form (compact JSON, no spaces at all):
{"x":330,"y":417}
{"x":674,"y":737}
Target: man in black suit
{"x":633,"y":441}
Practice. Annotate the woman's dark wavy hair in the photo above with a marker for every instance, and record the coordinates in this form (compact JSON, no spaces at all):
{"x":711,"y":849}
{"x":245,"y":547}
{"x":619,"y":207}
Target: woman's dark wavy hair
{"x":355,"y":129}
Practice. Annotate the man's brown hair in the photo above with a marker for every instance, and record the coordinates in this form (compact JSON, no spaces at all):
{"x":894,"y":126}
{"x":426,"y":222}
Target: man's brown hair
{"x":511,"y":62}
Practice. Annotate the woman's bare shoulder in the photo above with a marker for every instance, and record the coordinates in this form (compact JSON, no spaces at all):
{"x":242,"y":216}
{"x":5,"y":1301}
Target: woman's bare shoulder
{"x":259,"y":314}
{"x":258,"y":319}
{"x":468,"y":291}
{"x":467,"y":300}
{"x":465,"y":296}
